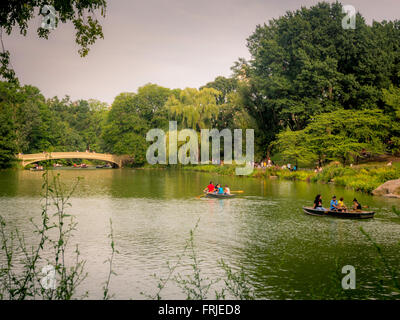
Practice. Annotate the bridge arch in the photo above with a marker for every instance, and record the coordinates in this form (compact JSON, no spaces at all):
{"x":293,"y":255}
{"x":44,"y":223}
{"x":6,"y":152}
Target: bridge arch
{"x":32,"y":158}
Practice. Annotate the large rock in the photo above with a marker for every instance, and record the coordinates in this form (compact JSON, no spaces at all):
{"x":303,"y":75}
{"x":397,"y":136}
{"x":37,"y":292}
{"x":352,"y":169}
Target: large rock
{"x":388,"y":189}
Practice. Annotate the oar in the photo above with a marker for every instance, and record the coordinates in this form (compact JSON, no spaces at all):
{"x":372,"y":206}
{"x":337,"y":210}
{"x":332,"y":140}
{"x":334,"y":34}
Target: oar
{"x":198,"y":197}
{"x":239,"y":191}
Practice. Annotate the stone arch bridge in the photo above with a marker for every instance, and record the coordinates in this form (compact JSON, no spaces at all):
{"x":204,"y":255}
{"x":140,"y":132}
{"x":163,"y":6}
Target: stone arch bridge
{"x":31,"y":158}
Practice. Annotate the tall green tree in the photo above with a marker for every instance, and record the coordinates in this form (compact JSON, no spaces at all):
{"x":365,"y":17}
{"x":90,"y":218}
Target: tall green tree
{"x":391,"y":98}
{"x":225,"y":86}
{"x":294,"y":147}
{"x":304,"y":64}
{"x":125,"y":129}
{"x":8,"y":147}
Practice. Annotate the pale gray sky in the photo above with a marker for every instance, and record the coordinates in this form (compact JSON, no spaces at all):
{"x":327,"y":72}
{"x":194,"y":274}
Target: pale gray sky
{"x":174,"y":43}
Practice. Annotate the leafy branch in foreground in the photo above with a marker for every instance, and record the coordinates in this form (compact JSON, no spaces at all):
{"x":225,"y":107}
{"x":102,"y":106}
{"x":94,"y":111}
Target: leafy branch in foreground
{"x":19,"y":286}
{"x":20,"y":275}
{"x":236,"y":283}
{"x":197,"y":287}
{"x":106,"y":295}
{"x":193,"y":285}
{"x":68,"y":279}
{"x":171,"y":269}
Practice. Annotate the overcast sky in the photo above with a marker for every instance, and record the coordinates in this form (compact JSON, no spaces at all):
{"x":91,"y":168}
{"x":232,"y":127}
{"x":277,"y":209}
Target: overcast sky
{"x":173,"y":43}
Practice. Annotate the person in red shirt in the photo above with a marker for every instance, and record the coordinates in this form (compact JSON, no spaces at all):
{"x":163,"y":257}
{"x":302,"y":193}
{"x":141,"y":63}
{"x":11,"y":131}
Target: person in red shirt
{"x":210,"y":187}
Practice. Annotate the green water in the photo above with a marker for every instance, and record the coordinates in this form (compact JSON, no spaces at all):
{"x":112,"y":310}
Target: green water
{"x":285,"y":253}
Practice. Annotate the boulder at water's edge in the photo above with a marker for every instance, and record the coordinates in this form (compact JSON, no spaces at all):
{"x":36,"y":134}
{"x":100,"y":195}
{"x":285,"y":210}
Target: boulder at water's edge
{"x":388,"y":189}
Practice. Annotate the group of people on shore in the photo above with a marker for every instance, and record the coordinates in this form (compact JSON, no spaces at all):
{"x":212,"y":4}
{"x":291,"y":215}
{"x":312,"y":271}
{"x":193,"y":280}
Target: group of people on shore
{"x":270,"y":164}
{"x":335,"y":205}
{"x":217,"y":188}
{"x":265,"y":164}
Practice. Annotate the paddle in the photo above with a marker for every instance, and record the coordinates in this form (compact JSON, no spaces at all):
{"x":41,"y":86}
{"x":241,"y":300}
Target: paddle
{"x":238,"y":191}
{"x":203,"y":195}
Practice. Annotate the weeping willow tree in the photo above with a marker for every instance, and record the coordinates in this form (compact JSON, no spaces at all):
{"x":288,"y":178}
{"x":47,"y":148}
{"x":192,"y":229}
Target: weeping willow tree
{"x":194,"y":109}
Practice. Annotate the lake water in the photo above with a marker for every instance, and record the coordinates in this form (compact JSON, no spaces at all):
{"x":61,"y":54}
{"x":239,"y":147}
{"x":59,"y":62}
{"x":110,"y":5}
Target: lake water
{"x":285,"y":253}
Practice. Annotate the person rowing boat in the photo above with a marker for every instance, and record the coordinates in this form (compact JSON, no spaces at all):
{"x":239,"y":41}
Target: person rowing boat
{"x":219,"y":189}
{"x":209,"y":188}
{"x":216,"y":191}
{"x":227,"y":190}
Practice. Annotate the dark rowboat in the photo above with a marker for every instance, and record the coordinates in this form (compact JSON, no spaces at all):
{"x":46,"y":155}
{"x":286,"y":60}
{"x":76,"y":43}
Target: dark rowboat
{"x":340,"y":214}
{"x":220,"y":196}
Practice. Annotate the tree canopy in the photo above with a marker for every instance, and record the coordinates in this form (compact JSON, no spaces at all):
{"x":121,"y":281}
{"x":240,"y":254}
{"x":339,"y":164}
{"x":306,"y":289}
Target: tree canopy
{"x":312,"y":91}
{"x":341,"y":135}
{"x":304,"y":64}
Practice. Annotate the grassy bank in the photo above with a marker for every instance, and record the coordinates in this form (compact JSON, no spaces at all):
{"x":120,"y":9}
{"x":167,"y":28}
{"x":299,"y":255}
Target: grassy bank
{"x":363,"y":178}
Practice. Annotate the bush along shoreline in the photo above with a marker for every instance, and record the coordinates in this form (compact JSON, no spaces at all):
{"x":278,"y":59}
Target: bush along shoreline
{"x":365,"y":178}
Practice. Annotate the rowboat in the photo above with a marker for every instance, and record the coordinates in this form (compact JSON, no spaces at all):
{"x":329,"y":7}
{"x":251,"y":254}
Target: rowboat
{"x":220,"y":196}
{"x":340,"y":214}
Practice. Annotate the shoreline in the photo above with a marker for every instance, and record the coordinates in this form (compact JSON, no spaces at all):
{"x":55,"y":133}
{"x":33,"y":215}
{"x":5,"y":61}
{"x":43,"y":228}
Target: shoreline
{"x":364,"y":178}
